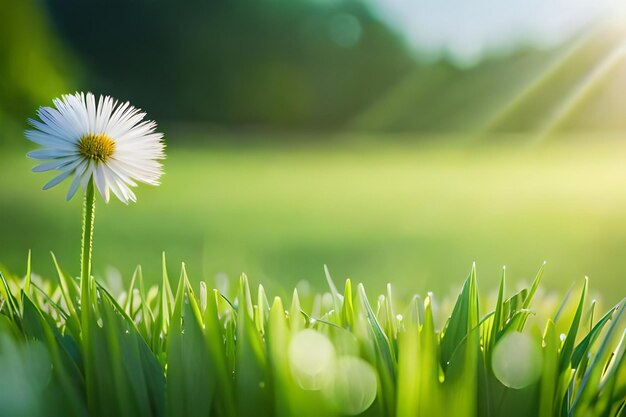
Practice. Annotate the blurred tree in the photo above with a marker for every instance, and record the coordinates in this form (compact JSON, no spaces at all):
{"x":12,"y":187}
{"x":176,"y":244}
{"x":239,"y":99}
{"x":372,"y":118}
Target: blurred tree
{"x":265,"y":63}
{"x":34,"y":67}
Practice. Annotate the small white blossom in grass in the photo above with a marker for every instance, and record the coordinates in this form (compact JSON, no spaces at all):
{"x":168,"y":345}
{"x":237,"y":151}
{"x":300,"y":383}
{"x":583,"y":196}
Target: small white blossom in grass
{"x":107,"y":141}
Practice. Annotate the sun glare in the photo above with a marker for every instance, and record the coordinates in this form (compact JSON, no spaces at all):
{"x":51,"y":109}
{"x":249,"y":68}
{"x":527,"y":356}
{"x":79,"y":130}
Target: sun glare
{"x":616,"y":9}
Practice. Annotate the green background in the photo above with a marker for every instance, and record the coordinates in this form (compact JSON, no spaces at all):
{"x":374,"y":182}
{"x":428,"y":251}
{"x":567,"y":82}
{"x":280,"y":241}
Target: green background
{"x":295,"y":140}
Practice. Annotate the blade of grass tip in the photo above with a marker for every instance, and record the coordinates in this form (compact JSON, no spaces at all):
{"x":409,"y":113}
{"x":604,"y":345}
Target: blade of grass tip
{"x":474,"y":304}
{"x":13,"y":309}
{"x":191,"y":298}
{"x":393,"y":321}
{"x":128,"y":304}
{"x":337,"y":298}
{"x":166,"y":306}
{"x":262,"y":310}
{"x":179,"y":297}
{"x":415,"y":314}
{"x":528,"y":299}
{"x":561,"y":308}
{"x":167,"y":294}
{"x":462,"y":320}
{"x":297,"y":321}
{"x":244,"y":298}
{"x":347,"y":310}
{"x":28,"y":275}
{"x":203,"y":296}
{"x":497,"y":320}
{"x":377,"y":330}
{"x":382,"y":316}
{"x":568,"y":345}
{"x":534,"y":286}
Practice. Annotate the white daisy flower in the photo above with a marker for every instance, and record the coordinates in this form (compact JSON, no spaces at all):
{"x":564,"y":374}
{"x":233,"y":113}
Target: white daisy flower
{"x":108,"y":142}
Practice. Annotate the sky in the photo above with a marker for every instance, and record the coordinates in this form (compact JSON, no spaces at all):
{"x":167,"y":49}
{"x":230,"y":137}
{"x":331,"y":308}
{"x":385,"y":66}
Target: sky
{"x":465,"y":30}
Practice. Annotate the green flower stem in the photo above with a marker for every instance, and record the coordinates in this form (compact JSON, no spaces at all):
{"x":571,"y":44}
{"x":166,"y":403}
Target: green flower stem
{"x":86,"y":303}
{"x":86,"y":247}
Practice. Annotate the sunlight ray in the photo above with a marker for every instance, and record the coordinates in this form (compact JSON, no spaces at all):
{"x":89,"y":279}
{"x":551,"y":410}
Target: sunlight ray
{"x":582,"y":91}
{"x":539,"y":84}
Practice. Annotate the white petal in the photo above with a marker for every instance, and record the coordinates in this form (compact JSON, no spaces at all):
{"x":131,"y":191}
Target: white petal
{"x":49,"y":154}
{"x":63,"y":175}
{"x":115,"y":186}
{"x":87,"y":176}
{"x":76,"y":181}
{"x":55,"y":164}
{"x":101,"y":182}
{"x":45,"y":139}
{"x":137,"y":152}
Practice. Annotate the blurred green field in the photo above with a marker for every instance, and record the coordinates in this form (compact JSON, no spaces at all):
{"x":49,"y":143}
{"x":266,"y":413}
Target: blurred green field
{"x":413,"y":215}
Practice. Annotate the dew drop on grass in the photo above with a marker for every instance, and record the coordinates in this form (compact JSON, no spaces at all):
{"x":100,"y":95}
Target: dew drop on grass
{"x":517,"y":360}
{"x":353,"y":387}
{"x":312,"y":359}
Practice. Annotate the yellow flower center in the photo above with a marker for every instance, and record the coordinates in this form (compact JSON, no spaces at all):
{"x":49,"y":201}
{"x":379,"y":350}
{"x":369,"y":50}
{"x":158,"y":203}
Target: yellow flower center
{"x":96,"y":146}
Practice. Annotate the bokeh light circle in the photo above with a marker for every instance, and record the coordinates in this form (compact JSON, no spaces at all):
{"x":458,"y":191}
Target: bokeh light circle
{"x":517,"y":360}
{"x":312,"y":359}
{"x":354,"y":386}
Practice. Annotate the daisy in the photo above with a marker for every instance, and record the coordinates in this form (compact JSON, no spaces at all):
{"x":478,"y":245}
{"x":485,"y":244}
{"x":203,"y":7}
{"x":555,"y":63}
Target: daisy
{"x":108,"y":142}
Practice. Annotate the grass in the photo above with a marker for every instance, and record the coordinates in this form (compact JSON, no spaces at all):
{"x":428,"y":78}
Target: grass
{"x":184,"y":350}
{"x":149,"y":345}
{"x":415,"y":215}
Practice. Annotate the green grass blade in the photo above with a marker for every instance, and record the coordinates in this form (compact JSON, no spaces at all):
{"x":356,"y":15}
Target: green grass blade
{"x":251,"y":375}
{"x":568,"y":346}
{"x":464,"y":318}
{"x":385,"y":357}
